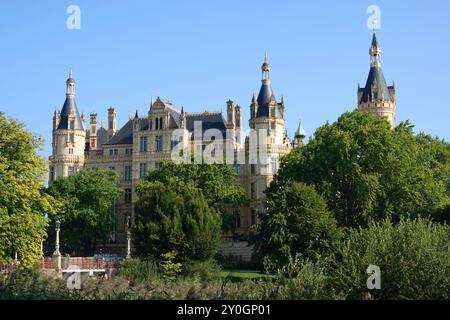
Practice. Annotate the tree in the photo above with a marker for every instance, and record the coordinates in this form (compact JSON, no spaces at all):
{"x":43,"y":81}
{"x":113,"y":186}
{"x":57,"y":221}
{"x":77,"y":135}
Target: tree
{"x":87,"y":214}
{"x":297,"y":222}
{"x":413,"y":257}
{"x":217,"y":182}
{"x":365,"y":170}
{"x":22,"y":202}
{"x":168,"y":220}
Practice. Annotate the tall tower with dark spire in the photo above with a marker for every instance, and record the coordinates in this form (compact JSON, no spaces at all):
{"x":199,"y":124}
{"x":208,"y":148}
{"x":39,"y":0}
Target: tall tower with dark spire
{"x":264,"y":146}
{"x":377,"y":97}
{"x":69,"y":137}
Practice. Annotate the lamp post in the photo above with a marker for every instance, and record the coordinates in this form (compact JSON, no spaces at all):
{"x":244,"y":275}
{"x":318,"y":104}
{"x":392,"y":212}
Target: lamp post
{"x":128,"y":245}
{"x":57,"y":253}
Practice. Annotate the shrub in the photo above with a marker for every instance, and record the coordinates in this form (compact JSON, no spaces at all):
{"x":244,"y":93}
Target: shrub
{"x":204,"y":270}
{"x":140,"y":270}
{"x":170,"y":268}
{"x":413,"y":256}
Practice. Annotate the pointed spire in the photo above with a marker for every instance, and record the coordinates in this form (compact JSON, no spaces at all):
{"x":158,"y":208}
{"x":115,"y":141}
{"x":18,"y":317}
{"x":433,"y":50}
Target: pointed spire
{"x":254,"y":97}
{"x":70,"y":72}
{"x":266,"y":58}
{"x":265,"y":68}
{"x":136,"y":115}
{"x":182,"y":110}
{"x":282,"y":100}
{"x":300,"y":132}
{"x":151,"y":102}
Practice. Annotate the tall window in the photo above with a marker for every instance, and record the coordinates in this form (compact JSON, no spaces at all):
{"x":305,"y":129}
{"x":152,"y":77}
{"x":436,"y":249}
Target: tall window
{"x":72,"y":124}
{"x":253,"y":217}
{"x":71,"y":137}
{"x":253,"y":190}
{"x":237,"y":216}
{"x":52,"y":173}
{"x":127,"y":198}
{"x":156,"y":124}
{"x":71,"y":170}
{"x":128,"y":151}
{"x":253,"y":168}
{"x":173,"y":144}
{"x":127,"y":173}
{"x":158,"y":165}
{"x":274,"y":165}
{"x":143,"y":169}
{"x":159,"y":143}
{"x":70,"y":150}
{"x":160,"y":123}
{"x":237,"y":167}
{"x":143,"y":144}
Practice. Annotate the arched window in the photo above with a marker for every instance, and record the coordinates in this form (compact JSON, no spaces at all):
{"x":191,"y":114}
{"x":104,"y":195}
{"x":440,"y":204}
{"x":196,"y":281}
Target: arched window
{"x":160,"y":123}
{"x":156,"y":124}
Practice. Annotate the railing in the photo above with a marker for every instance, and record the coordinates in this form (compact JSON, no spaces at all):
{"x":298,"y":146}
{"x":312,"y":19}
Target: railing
{"x":80,"y":262}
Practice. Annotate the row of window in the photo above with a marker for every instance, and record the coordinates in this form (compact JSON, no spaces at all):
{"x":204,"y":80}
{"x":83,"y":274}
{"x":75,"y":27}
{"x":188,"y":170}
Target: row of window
{"x":143,"y":144}
{"x":115,"y":152}
{"x":158,"y":123}
{"x":143,"y":169}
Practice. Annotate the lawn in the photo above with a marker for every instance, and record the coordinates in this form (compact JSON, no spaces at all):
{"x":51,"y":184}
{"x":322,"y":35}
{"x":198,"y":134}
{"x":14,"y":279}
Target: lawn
{"x":243,"y":274}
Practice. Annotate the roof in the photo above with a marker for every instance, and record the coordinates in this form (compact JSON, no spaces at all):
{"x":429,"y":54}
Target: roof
{"x":375,"y":41}
{"x":210,"y":120}
{"x":300,"y":132}
{"x":375,"y":80}
{"x":69,"y":106}
{"x":264,"y":96}
{"x":125,"y":134}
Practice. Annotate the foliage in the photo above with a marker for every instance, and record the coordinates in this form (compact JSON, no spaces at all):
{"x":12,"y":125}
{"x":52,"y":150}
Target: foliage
{"x":22,"y":202}
{"x":413,"y":256}
{"x":297,"y":221}
{"x":140,"y":270}
{"x":87,"y":215}
{"x":170,"y":220}
{"x":204,"y":270}
{"x":170,"y":269}
{"x":365,"y":170}
{"x":31,"y":283}
{"x":217,"y":182}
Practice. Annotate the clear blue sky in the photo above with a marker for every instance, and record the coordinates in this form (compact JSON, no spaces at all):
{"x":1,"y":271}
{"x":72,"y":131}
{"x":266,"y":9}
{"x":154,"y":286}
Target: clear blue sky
{"x":201,"y":53}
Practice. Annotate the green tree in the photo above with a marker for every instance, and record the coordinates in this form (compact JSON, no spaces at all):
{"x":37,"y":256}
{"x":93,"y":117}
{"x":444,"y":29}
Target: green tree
{"x":182,"y":222}
{"x":365,"y":170}
{"x":22,"y":202}
{"x":413,"y":257}
{"x":217,"y":182}
{"x":87,"y":214}
{"x":297,"y":222}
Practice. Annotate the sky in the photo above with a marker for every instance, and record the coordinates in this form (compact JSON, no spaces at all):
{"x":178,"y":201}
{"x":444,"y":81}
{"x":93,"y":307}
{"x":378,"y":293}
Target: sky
{"x":199,"y":54}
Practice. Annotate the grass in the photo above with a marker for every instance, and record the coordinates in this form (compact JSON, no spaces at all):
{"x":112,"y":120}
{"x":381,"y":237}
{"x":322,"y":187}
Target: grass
{"x":243,"y":274}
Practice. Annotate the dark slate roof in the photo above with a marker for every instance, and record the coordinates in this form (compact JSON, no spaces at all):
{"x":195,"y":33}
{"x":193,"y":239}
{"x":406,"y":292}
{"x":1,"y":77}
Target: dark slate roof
{"x":375,"y":42}
{"x":125,"y":134}
{"x":265,"y":93}
{"x":102,"y":136}
{"x":375,"y":77}
{"x":210,"y":120}
{"x":70,"y":105}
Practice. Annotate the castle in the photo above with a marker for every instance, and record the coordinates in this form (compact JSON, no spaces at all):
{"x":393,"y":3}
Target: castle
{"x":144,"y":141}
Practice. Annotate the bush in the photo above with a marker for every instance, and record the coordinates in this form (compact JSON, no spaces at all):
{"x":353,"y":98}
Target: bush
{"x":141,"y":271}
{"x":413,"y":256}
{"x":204,"y":270}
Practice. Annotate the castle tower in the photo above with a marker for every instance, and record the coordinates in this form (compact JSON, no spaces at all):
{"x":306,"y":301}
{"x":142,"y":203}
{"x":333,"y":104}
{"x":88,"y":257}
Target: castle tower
{"x":69,"y":137}
{"x":376,"y":97}
{"x":93,"y":132}
{"x":112,"y":122}
{"x":299,"y":137}
{"x":263,"y":147}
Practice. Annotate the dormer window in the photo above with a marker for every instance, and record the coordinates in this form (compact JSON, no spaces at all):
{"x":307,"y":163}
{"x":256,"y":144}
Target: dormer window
{"x":72,"y":124}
